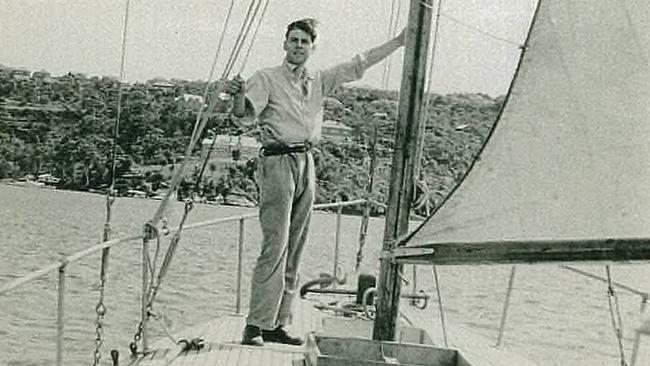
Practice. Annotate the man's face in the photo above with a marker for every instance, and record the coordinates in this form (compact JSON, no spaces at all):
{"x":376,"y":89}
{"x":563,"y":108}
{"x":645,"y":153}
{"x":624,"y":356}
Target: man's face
{"x":298,"y":46}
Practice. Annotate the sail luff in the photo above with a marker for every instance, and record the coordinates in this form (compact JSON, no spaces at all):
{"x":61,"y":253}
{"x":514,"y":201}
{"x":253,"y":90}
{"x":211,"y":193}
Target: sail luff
{"x":522,"y":49}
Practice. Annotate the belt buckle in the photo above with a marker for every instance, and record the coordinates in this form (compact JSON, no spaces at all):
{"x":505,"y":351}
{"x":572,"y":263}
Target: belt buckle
{"x":300,"y":146}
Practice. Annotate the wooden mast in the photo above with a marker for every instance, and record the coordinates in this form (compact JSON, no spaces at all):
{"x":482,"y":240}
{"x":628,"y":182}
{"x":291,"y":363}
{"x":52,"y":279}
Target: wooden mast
{"x":407,"y":135}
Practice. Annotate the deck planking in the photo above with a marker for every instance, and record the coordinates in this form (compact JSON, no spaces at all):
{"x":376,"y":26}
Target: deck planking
{"x":222,"y":338}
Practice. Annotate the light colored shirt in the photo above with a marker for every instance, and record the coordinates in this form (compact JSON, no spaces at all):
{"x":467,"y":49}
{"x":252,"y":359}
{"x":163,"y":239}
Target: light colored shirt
{"x":286,"y":100}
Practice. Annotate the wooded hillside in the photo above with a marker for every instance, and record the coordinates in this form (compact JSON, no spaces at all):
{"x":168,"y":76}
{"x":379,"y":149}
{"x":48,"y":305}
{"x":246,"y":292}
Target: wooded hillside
{"x":64,"y":126}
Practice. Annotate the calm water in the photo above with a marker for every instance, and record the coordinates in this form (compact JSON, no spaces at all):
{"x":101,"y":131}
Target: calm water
{"x":556,"y":317}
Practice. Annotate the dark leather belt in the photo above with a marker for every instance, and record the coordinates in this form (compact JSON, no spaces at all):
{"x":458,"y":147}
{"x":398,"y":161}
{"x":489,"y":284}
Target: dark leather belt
{"x":282,"y":149}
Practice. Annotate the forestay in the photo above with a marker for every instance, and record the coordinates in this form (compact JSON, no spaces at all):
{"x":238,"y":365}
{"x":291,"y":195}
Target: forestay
{"x":569,"y":158}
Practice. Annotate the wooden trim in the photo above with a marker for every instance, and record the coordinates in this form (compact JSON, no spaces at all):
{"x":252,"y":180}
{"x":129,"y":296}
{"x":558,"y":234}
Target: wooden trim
{"x":532,"y":251}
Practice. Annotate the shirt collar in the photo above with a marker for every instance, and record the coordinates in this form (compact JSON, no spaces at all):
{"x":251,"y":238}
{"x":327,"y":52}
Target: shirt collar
{"x":298,"y":71}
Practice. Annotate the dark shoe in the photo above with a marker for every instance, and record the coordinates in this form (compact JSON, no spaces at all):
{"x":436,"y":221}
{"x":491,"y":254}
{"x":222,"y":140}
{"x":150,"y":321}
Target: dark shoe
{"x":252,"y":336}
{"x":279,"y":335}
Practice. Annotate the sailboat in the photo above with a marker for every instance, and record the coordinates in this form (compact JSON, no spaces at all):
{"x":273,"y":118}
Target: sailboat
{"x":561,"y":178}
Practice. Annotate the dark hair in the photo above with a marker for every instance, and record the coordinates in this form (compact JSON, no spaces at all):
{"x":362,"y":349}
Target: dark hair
{"x":307,"y":25}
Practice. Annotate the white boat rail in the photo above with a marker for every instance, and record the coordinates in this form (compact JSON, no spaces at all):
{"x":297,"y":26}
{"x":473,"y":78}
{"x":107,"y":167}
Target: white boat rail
{"x":62,"y":264}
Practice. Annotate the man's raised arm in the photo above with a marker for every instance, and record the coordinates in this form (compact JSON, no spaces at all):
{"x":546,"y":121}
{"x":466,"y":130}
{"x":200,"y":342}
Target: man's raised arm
{"x":375,"y":55}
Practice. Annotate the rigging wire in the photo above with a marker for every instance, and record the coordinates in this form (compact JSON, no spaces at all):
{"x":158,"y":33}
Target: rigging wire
{"x":100,"y":308}
{"x":251,"y":14}
{"x":206,"y":90}
{"x":480,"y":31}
{"x":388,"y":35}
{"x":427,"y":97}
{"x":243,"y":64}
{"x":440,"y":308}
{"x":198,"y":128}
{"x":363,"y":231}
{"x":392,"y":29}
{"x":238,"y":39}
{"x":200,"y":121}
{"x":154,"y":285}
{"x":365,"y":218}
{"x":116,"y":132}
{"x":257,"y":28}
{"x":615,"y":313}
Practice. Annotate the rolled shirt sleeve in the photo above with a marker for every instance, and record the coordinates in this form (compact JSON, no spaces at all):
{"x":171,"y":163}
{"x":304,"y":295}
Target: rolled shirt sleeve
{"x":343,"y":73}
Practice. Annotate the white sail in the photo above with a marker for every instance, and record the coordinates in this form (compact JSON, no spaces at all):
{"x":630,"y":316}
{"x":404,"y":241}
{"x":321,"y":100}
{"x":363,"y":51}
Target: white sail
{"x":569,"y":157}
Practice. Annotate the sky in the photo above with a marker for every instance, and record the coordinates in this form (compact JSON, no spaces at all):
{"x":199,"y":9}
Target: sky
{"x":476,"y":49}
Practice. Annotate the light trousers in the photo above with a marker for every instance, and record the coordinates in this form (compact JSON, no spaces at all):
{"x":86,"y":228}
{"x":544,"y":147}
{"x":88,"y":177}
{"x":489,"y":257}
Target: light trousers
{"x":287,"y":188}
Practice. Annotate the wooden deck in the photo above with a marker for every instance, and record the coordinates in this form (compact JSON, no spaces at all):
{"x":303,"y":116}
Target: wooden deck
{"x":222,"y":338}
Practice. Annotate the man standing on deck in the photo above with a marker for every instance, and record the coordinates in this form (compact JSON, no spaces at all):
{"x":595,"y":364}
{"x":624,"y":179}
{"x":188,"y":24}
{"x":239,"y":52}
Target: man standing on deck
{"x":286,"y":101}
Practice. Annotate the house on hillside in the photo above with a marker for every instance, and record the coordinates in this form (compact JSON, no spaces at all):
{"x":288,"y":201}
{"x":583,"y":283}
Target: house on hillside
{"x":110,"y":78}
{"x":161,"y":84}
{"x":42,"y":76}
{"x":5,"y":71}
{"x":20,"y":74}
{"x":48,"y":179}
{"x":230,"y":147}
{"x":335,"y":131}
{"x":190,"y":101}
